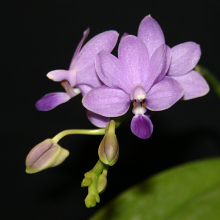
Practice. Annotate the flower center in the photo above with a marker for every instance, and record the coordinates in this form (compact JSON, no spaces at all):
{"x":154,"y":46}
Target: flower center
{"x":138,"y":93}
{"x":69,"y":90}
{"x":139,"y":108}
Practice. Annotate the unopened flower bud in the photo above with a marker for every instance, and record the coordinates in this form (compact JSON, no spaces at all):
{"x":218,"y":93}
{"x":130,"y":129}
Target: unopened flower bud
{"x":45,"y":155}
{"x":108,"y":149}
{"x":102,"y":183}
{"x":87,"y":181}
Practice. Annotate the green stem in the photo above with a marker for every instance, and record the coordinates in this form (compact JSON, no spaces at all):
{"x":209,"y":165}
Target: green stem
{"x":111,"y":127}
{"x":99,"y":167}
{"x":78,"y":131}
{"x":211,"y":79}
{"x":120,"y":119}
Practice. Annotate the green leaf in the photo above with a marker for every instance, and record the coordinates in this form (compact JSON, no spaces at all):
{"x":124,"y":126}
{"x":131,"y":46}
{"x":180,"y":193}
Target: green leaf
{"x":187,"y":192}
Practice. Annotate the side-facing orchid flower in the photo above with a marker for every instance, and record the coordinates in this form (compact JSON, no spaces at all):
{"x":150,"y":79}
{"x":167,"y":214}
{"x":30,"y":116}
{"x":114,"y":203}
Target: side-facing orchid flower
{"x":133,"y":77}
{"x":184,"y":58}
{"x":81,"y":76}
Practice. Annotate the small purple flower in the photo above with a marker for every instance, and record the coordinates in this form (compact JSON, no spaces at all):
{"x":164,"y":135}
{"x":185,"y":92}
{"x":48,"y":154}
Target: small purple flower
{"x":133,"y":77}
{"x":184,"y":58}
{"x":81,"y":76}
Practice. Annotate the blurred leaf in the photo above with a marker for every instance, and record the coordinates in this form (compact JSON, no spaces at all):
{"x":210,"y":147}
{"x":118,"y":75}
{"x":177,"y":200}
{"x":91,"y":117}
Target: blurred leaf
{"x":187,"y":192}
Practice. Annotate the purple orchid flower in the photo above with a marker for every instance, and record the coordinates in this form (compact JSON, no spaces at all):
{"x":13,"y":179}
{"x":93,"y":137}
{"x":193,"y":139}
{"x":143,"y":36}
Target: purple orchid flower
{"x":185,"y":56}
{"x":133,"y":77}
{"x":81,"y":76}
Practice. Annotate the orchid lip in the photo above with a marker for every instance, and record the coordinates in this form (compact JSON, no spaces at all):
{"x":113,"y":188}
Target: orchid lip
{"x":138,"y":93}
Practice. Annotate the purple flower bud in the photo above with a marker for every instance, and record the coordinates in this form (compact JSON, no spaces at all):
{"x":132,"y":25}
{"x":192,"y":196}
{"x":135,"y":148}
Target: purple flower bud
{"x":45,"y":155}
{"x":108,"y":149}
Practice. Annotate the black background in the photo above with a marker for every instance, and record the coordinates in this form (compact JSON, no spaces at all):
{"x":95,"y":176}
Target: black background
{"x":40,"y":36}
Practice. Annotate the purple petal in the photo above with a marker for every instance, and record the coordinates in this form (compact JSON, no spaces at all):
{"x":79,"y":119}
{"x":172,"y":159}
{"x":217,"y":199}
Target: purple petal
{"x":134,"y":56}
{"x":157,"y":66}
{"x":124,"y":35}
{"x":106,"y":101}
{"x":88,"y":77}
{"x":51,"y":100}
{"x":168,"y":58}
{"x":164,"y":94}
{"x":141,"y":126}
{"x":111,"y":71}
{"x":104,"y":41}
{"x":184,"y":58}
{"x":60,"y":75}
{"x":194,"y":85}
{"x":167,"y":65}
{"x":85,"y":35}
{"x":84,"y":89}
{"x":97,"y":120}
{"x":151,"y":34}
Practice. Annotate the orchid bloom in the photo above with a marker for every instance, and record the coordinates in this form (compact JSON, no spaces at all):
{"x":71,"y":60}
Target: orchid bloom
{"x":184,"y":58}
{"x":81,"y":76}
{"x":133,"y":77}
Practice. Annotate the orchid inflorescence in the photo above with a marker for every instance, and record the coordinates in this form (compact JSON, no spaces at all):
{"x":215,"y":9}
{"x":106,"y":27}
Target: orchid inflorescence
{"x":146,"y":76}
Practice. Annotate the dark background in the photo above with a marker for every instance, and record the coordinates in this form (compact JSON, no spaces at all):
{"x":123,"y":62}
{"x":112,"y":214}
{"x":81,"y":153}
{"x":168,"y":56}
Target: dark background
{"x":40,"y":36}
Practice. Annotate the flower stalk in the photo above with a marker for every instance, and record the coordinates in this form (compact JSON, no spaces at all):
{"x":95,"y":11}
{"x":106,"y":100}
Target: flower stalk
{"x":64,"y":133}
{"x":49,"y":154}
